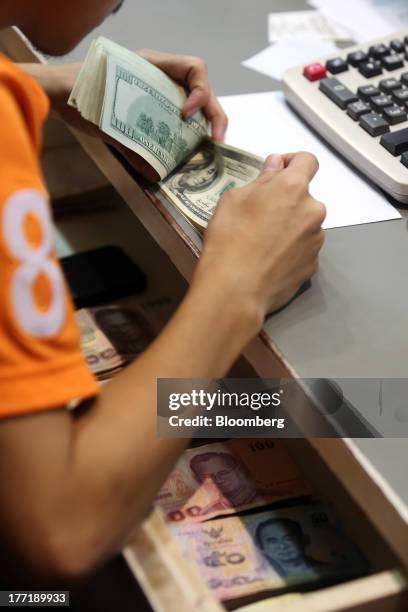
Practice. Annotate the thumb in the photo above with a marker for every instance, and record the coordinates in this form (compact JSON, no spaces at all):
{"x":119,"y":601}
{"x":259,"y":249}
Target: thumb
{"x":272,"y":165}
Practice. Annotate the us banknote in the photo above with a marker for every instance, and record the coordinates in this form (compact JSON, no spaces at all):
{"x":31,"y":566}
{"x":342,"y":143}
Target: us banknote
{"x":139,"y":106}
{"x":136,"y":104}
{"x":227,"y":477}
{"x":239,"y":556}
{"x":196,"y":186}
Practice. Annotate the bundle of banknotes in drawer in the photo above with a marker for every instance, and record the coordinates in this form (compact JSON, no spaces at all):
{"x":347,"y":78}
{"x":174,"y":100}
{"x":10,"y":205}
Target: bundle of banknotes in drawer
{"x":243,"y":513}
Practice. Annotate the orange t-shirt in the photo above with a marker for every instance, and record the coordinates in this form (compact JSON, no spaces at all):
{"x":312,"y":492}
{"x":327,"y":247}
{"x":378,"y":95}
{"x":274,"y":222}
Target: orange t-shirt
{"x":41,"y":365}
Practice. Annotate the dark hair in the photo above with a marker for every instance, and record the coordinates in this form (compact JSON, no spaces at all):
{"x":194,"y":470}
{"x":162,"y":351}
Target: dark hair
{"x":291,"y":525}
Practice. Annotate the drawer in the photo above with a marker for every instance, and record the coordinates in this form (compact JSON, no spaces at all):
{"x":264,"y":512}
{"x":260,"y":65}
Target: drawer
{"x":172,"y":584}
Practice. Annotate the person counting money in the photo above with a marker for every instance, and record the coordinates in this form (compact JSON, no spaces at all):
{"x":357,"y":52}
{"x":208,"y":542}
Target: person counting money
{"x":74,"y":484}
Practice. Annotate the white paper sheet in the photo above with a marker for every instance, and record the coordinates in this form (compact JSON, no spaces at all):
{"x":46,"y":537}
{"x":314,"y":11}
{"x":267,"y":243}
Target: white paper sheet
{"x":366,"y":19}
{"x":276,"y":59}
{"x":263,"y":123}
{"x":298,"y":24}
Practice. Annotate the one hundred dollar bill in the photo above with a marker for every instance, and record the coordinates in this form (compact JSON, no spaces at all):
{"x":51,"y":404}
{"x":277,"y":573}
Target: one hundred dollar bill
{"x":137,"y":104}
{"x":239,"y":556}
{"x":196,"y":186}
{"x":224,"y":478}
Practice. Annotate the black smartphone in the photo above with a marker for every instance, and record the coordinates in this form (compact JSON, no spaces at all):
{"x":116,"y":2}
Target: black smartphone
{"x":102,"y":275}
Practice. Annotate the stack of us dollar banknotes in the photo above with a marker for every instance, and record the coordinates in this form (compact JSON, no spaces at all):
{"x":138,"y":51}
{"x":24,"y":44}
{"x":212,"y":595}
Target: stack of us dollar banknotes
{"x":141,"y":107}
{"x":243,"y":513}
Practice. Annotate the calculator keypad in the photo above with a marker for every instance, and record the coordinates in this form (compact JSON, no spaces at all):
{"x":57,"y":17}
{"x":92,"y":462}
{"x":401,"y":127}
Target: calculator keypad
{"x":378,"y":104}
{"x":314,"y":72}
{"x":395,"y":114}
{"x":354,"y":59}
{"x":366,"y":92}
{"x":389,"y":85}
{"x":397,"y":45}
{"x":356,"y":109}
{"x":392,"y":62}
{"x":374,"y":124}
{"x":404,"y":159}
{"x":337,"y":65}
{"x":378,"y":51}
{"x":396,"y":142}
{"x":336,"y":91}
{"x":401,"y":95}
{"x":371,"y":68}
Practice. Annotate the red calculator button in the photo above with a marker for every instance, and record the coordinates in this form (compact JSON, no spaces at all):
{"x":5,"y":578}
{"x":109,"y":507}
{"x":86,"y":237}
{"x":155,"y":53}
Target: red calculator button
{"x":315,"y":72}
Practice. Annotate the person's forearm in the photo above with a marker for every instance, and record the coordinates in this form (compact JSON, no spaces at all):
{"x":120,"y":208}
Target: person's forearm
{"x":202,"y":341}
{"x":108,"y":464}
{"x":57,"y":81}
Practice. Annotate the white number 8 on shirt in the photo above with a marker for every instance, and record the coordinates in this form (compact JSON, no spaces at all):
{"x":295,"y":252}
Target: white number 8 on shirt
{"x":32,"y":260}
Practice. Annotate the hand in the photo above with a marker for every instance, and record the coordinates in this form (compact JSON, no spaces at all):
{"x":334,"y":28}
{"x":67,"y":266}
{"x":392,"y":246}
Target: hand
{"x":192,"y":72}
{"x":58,"y":80}
{"x":264,"y":239}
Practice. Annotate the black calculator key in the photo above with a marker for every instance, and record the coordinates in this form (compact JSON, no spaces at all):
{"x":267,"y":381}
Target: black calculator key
{"x":368,"y":91}
{"x":357,"y":57}
{"x":388,"y":85}
{"x":395,"y":114}
{"x":378,"y":51}
{"x":380,"y":102}
{"x":374,"y":124}
{"x":397,"y":45}
{"x":371,"y":68}
{"x":396,"y":142}
{"x":356,"y":109}
{"x":336,"y":91}
{"x":406,"y":40}
{"x":392,"y":62}
{"x":404,"y":159}
{"x":337,"y":65}
{"x":404,"y":78}
{"x":401,"y":95}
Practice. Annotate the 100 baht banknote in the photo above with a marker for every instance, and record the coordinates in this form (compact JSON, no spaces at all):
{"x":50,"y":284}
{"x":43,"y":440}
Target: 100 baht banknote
{"x":227,"y":477}
{"x":113,"y":335}
{"x":98,"y":351}
{"x":239,"y":556}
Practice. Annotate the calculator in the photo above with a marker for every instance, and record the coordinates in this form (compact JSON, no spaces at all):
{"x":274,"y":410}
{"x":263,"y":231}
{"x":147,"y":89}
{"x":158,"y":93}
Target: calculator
{"x":357,"y":100}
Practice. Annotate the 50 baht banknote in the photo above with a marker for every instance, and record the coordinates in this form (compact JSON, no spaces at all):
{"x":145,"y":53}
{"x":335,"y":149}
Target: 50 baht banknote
{"x":273,"y":550}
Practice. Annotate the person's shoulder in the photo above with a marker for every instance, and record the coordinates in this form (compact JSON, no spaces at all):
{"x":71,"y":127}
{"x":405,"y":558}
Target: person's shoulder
{"x":13,"y":80}
{"x":23,"y":107}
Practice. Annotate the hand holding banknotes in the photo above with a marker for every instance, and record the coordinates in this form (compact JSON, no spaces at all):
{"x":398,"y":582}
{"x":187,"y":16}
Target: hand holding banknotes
{"x":193,"y":74}
{"x":264,"y":239}
{"x":190,"y":72}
